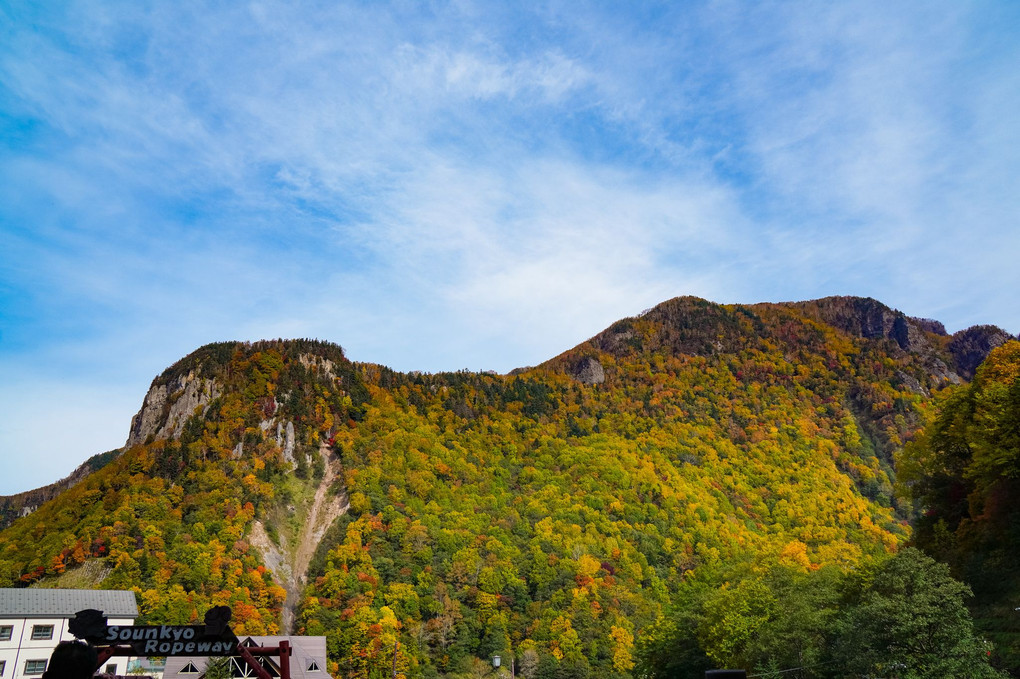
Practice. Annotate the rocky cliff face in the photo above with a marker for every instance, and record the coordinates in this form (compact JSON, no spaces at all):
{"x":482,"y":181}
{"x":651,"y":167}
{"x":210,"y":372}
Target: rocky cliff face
{"x":930,"y":325}
{"x":947,"y":362}
{"x":589,"y":371}
{"x":870,"y":319}
{"x":168,"y":405}
{"x":970,"y":347}
{"x":695,"y":327}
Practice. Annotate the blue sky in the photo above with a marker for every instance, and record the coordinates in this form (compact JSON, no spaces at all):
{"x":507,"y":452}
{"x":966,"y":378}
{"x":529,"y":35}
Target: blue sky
{"x":478,"y":185}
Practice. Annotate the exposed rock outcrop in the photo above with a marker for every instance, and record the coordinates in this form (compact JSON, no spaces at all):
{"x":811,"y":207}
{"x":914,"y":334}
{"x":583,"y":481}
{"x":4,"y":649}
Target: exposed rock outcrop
{"x":696,"y":327}
{"x":285,"y":439}
{"x":930,"y":325}
{"x":319,"y":365}
{"x":168,"y":405}
{"x":971,"y":346}
{"x":941,"y":372}
{"x":589,"y":371}
{"x":910,"y":382}
{"x":868,"y":318}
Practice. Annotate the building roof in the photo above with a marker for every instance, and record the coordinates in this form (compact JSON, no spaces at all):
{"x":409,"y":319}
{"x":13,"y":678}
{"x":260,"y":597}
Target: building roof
{"x":306,"y":650}
{"x":64,"y":603}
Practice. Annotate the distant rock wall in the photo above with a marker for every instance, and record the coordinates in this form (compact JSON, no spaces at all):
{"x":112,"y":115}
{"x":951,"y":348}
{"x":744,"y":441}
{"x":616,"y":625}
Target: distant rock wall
{"x":930,"y":325}
{"x":870,"y":319}
{"x":285,"y":439}
{"x":589,"y":371}
{"x":172,"y":400}
{"x":971,"y":346}
{"x":693,"y":326}
{"x":168,"y":406}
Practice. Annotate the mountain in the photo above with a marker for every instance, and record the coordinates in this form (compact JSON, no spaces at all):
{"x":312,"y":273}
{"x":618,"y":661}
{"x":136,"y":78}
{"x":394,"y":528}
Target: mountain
{"x":552,"y":512}
{"x":23,"y":504}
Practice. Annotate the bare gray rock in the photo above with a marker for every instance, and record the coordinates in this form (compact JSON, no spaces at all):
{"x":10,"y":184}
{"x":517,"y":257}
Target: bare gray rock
{"x":971,"y":346}
{"x":285,"y":439}
{"x":941,"y":372}
{"x":168,"y":406}
{"x":930,"y":325}
{"x":912,"y":383}
{"x":868,"y":318}
{"x":589,"y":371}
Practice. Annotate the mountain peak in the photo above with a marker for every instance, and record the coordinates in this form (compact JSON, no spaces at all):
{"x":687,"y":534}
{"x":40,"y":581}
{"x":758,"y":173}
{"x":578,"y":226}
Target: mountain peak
{"x":971,"y":346}
{"x":564,"y":502}
{"x":189,"y":387}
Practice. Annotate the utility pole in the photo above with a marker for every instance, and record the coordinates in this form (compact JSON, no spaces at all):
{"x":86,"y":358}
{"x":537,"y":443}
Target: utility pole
{"x":396,"y":645}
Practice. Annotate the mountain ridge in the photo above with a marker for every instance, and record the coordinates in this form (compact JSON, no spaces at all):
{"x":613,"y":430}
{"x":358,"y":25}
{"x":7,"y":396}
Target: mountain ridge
{"x":465,"y":513}
{"x":864,"y":317}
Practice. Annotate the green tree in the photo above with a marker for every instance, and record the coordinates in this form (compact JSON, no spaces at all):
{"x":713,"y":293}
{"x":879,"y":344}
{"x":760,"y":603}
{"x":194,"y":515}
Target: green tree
{"x":667,"y":649}
{"x":798,"y":634}
{"x":218,"y":668}
{"x":908,"y":619}
{"x":962,"y":475}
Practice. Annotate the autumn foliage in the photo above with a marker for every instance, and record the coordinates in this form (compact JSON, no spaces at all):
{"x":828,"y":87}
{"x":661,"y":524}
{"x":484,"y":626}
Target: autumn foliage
{"x":532,"y":515}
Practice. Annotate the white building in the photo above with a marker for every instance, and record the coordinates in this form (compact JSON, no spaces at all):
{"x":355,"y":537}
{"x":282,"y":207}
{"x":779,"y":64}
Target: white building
{"x":34,"y":621}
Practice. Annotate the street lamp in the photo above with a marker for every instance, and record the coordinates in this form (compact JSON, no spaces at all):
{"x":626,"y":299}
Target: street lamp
{"x":498,"y":660}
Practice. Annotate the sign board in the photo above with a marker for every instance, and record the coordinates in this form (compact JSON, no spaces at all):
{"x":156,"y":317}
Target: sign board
{"x":214,"y":638}
{"x":171,"y":640}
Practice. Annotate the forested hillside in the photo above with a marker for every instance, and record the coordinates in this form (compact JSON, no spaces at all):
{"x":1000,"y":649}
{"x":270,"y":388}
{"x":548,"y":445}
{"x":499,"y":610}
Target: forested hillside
{"x":568,"y":515}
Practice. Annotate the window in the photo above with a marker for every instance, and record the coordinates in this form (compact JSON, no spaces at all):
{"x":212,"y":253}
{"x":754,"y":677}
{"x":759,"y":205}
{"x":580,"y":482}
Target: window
{"x":111,"y":668}
{"x":42,"y":632}
{"x":313,"y":666}
{"x":3,"y":666}
{"x":34,"y":667}
{"x":5,"y":632}
{"x":268,"y":666}
{"x":190,"y":669}
{"x":239,"y":669}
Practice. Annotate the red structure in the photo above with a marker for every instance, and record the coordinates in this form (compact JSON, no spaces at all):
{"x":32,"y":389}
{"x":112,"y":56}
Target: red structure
{"x":247,"y":653}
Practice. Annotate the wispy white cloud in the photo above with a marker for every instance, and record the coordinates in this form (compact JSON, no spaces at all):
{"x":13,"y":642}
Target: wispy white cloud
{"x":477,"y":185}
{"x":575,"y":248}
{"x":438,"y":72}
